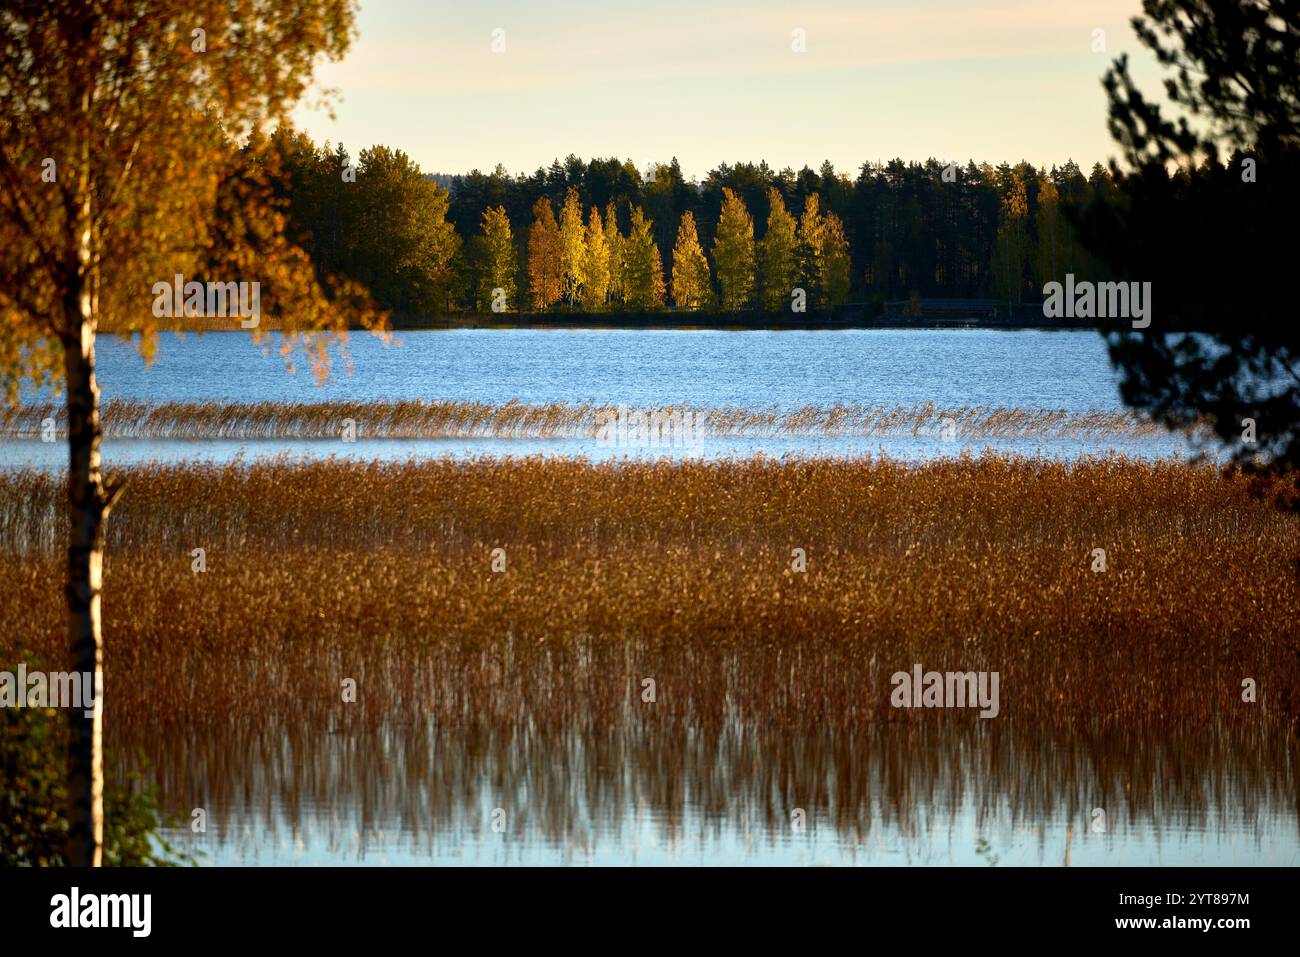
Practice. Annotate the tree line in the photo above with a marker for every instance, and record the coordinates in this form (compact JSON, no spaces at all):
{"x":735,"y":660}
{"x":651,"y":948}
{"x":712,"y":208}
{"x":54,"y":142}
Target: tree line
{"x":600,"y":235}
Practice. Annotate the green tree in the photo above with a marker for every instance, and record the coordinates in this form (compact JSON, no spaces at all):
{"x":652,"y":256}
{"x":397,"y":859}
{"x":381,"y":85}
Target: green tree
{"x":780,"y":270}
{"x":733,"y":252}
{"x":643,"y":278}
{"x":833,"y":262}
{"x":808,"y":250}
{"x":692,"y":284}
{"x":322,"y":205}
{"x":1053,"y":230}
{"x":34,"y":826}
{"x":401,"y":245}
{"x":498,"y":265}
{"x":595,"y":268}
{"x":1011,"y":246}
{"x":614,"y":240}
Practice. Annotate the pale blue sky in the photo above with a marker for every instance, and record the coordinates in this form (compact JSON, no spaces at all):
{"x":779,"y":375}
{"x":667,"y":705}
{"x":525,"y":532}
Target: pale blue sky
{"x":713,"y":82}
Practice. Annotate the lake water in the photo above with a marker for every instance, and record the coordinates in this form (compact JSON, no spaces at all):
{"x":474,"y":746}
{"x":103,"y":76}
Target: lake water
{"x":778,"y":371}
{"x":741,"y":795}
{"x":417,"y":795}
{"x":786,"y":369}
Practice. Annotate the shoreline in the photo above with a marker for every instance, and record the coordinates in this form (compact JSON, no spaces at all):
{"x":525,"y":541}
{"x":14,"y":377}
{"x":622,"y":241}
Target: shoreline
{"x":719,"y":322}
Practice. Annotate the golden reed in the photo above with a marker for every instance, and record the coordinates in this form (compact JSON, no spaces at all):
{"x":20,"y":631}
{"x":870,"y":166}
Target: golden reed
{"x":126,"y":419}
{"x":683,"y":572}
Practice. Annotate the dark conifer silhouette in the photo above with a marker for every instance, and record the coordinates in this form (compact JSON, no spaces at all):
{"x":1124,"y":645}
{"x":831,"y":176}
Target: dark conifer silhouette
{"x":1213,"y":237}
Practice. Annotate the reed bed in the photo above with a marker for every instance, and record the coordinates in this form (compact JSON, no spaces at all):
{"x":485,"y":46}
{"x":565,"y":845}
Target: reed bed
{"x":680,"y":572}
{"x":126,"y":419}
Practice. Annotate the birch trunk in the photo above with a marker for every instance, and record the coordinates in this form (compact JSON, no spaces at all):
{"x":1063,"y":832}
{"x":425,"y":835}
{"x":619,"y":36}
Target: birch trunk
{"x":89,"y":502}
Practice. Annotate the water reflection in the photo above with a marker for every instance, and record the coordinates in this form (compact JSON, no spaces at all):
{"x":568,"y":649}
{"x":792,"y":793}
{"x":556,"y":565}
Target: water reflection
{"x":672,"y":792}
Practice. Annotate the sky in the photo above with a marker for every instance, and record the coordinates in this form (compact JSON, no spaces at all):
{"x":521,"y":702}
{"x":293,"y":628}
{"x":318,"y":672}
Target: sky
{"x":717,"y":81}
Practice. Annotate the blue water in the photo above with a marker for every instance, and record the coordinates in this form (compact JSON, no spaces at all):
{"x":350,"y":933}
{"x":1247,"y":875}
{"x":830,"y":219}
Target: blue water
{"x":308,"y":836}
{"x":778,"y":371}
{"x":788,"y":370}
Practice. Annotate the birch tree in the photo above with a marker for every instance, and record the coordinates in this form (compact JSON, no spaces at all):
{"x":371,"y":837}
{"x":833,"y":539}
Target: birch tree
{"x":545,"y":266}
{"x":117,"y":171}
{"x":780,"y":271}
{"x":692,"y":284}
{"x":733,"y":252}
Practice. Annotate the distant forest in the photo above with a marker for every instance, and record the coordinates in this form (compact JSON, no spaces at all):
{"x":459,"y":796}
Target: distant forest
{"x":603,"y":235}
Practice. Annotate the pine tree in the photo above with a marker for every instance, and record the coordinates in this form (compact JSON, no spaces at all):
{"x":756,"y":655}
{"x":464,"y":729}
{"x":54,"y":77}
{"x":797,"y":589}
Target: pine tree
{"x":779,"y":274}
{"x":498,"y":266}
{"x":545,"y":276}
{"x":733,"y":252}
{"x":692,"y":284}
{"x":572,"y":247}
{"x":595,"y":263}
{"x":643,"y":277}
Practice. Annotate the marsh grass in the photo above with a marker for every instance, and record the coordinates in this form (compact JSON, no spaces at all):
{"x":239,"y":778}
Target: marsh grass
{"x":125,"y":419}
{"x":679,"y":571}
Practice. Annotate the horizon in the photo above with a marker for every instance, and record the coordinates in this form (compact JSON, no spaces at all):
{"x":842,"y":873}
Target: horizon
{"x":700,"y":181}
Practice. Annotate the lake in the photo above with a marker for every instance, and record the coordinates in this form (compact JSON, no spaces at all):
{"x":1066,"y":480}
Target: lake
{"x":774,"y":371}
{"x":672,"y":792}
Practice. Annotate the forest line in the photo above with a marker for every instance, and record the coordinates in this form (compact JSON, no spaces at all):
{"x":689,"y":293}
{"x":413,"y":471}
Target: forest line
{"x":598,"y":236}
